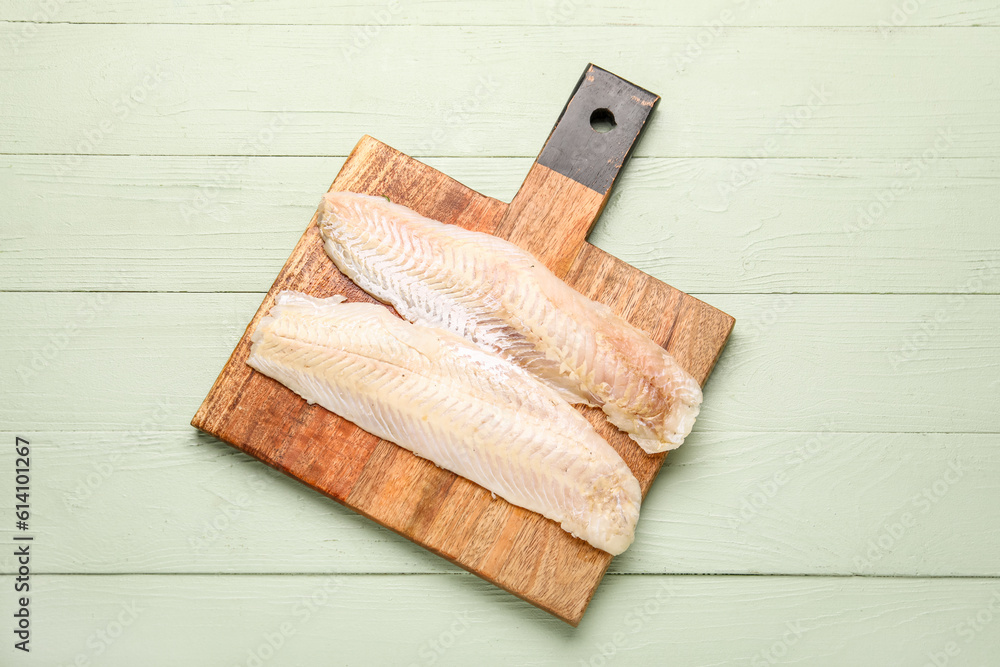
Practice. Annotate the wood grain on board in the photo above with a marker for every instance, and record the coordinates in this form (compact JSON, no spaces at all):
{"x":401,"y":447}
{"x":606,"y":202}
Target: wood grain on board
{"x":516,"y":549}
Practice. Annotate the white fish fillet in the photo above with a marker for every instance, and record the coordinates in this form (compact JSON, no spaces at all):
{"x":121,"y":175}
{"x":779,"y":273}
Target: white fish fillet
{"x":444,"y":399}
{"x":491,"y":292}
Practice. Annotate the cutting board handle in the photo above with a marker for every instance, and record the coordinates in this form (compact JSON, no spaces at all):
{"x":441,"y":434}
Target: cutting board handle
{"x":570,"y":181}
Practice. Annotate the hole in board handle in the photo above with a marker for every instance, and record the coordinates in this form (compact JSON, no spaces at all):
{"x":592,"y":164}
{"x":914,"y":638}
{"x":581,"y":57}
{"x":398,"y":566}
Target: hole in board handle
{"x":602,"y":120}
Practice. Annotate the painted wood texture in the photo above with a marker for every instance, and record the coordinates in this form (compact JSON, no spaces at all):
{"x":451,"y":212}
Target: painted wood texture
{"x":418,"y":620}
{"x":802,"y":362}
{"x":230,"y":90}
{"x":517,"y":12}
{"x":518,"y":550}
{"x":225,"y":223}
{"x":710,"y":205}
{"x":820,"y":503}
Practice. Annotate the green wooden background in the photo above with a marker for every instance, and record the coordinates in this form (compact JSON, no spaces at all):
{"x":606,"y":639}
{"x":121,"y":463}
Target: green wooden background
{"x":828,"y":173}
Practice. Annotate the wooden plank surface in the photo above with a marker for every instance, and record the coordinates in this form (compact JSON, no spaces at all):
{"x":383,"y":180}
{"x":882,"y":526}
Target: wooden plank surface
{"x":228,"y":90}
{"x":824,"y":310}
{"x":223,"y":224}
{"x":725,"y":503}
{"x":746,"y":621}
{"x":518,"y":550}
{"x":840,"y":347}
{"x":518,"y":12}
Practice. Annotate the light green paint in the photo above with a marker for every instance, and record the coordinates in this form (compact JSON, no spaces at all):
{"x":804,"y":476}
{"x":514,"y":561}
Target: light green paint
{"x":461,"y":620}
{"x":862,"y":375}
{"x":216,"y":223}
{"x":796,"y":362}
{"x":822,"y":503}
{"x":275,"y":90}
{"x":519,"y":12}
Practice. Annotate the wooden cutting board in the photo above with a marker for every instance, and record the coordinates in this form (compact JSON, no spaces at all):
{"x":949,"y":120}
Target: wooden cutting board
{"x":562,"y":196}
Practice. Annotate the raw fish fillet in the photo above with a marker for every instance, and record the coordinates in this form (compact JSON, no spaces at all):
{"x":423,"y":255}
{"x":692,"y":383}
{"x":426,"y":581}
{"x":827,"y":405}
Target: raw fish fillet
{"x":464,"y":408}
{"x":491,"y":292}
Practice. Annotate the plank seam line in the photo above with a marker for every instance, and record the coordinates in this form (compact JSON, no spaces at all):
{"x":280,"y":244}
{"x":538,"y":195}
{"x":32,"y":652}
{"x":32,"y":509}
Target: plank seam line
{"x":126,"y":428}
{"x":716,"y":432}
{"x":568,"y":26}
{"x":467,"y":156}
{"x":741,"y":575}
{"x":694,"y":294}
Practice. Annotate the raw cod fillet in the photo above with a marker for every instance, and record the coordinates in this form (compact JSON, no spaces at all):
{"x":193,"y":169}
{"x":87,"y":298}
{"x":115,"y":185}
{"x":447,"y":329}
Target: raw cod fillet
{"x":465,"y":409}
{"x":491,"y":292}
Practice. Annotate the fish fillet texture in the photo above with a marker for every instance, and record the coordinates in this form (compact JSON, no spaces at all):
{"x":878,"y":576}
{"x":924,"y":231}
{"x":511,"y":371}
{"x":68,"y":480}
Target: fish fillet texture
{"x":495,"y":294}
{"x":467,"y":410}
